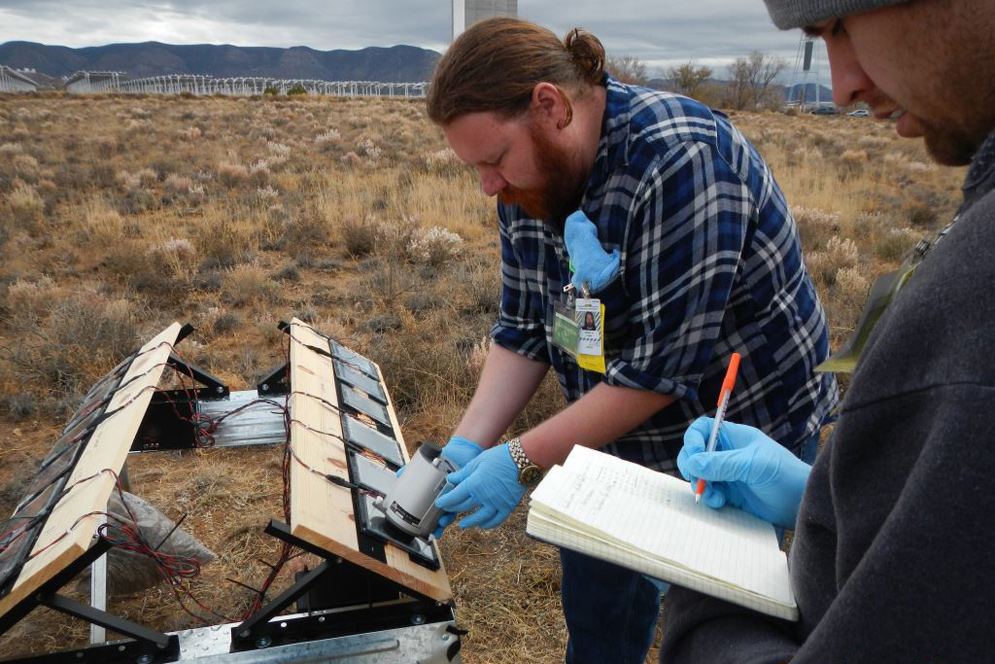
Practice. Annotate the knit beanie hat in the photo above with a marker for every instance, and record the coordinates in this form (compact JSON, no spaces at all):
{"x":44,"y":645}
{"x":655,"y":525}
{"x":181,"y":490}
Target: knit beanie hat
{"x":788,"y":14}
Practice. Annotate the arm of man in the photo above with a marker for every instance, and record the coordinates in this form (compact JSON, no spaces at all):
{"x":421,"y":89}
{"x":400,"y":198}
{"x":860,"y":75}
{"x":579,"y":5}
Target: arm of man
{"x":683,"y":243}
{"x":597,"y":418}
{"x":506,"y":385}
{"x":888,"y":561}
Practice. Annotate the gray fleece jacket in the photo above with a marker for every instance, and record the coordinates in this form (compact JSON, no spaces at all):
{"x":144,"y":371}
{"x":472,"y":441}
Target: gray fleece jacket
{"x":894,"y":552}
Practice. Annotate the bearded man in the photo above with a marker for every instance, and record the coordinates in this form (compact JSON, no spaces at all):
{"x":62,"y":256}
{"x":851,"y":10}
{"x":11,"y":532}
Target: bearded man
{"x":673,"y":227}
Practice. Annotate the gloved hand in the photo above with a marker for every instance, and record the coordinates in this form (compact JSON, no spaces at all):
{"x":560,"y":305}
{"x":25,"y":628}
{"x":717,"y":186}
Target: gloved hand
{"x":591,"y":262}
{"x":460,"y":451}
{"x":747,"y":470}
{"x":488,"y":484}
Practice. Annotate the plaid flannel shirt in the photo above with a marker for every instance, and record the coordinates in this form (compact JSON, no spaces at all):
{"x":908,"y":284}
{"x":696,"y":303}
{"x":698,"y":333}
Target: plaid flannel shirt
{"x":710,"y":264}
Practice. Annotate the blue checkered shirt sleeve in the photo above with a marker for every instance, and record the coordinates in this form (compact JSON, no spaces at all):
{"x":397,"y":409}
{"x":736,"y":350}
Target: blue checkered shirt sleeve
{"x":520,"y":325}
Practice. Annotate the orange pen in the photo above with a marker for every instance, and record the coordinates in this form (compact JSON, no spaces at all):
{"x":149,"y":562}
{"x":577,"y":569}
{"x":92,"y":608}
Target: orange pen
{"x":720,"y":413}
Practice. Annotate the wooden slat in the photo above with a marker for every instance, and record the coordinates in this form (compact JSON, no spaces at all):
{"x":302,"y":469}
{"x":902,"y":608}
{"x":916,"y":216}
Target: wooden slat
{"x":321,"y":512}
{"x":107,"y":449}
{"x":312,"y":498}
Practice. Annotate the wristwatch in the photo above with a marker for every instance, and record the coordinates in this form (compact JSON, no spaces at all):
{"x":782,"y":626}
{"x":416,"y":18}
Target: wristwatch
{"x":529,"y":474}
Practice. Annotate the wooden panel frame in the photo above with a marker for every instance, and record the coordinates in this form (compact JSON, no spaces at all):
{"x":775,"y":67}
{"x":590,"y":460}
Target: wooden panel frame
{"x":321,"y":512}
{"x":60,"y":542}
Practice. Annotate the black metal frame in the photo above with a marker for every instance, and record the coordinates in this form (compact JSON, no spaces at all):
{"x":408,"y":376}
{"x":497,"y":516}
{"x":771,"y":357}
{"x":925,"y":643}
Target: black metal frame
{"x":146,"y":645}
{"x":274,"y":383}
{"x":168,"y":422}
{"x":261,"y":631}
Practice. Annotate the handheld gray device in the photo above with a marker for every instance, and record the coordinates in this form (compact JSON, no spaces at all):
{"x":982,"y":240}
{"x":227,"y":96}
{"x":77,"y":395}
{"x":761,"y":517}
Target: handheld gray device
{"x":409,"y":506}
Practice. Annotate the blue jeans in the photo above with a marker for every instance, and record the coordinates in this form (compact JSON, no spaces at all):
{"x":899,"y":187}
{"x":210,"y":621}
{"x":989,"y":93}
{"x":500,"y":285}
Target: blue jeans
{"x":611,"y":611}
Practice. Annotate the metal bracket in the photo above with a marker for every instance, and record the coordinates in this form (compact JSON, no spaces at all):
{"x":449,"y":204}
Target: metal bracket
{"x":275,"y":382}
{"x":121,"y":652}
{"x":148,"y":646}
{"x":214,"y":387}
{"x":259,"y":632}
{"x":282,"y":531}
{"x":104,"y":619}
{"x":168,"y":421}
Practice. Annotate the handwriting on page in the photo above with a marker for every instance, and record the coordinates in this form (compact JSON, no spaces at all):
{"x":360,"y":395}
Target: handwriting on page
{"x":656,"y":513}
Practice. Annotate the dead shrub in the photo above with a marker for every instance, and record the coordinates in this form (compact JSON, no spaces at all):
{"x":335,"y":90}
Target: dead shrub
{"x":233,"y":175}
{"x":359,"y":235}
{"x":26,"y":167}
{"x":217,"y":321}
{"x":26,"y":206}
{"x":842,"y":252}
{"x":396,"y":238}
{"x":171,"y":264}
{"x":27,"y":303}
{"x":350,"y":159}
{"x":435,"y":246}
{"x":101,"y":223}
{"x":421,"y":366}
{"x":815,"y":226}
{"x":224,"y":244}
{"x":248,"y":284}
{"x":445,"y":163}
{"x":179,"y":184}
{"x":305,"y":233}
{"x":920,"y":213}
{"x":895,"y":244}
{"x":478,"y":288}
{"x":85,"y":334}
{"x":852,"y":163}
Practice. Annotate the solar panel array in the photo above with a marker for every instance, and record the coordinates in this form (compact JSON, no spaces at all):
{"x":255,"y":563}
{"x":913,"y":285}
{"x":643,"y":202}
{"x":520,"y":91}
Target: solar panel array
{"x":55,"y":521}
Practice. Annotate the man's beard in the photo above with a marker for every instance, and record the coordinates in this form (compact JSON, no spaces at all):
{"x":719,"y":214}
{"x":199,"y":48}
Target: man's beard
{"x":562,"y":190}
{"x":951,"y":147}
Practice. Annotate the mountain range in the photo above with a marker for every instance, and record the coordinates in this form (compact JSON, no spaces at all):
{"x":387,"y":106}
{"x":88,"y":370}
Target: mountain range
{"x":396,"y":64}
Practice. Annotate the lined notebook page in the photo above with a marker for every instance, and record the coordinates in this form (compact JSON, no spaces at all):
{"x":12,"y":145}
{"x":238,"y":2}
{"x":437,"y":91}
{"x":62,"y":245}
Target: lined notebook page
{"x":619,"y":509}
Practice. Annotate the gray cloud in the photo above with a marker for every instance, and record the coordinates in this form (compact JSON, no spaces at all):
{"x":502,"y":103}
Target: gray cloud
{"x":662,"y":33}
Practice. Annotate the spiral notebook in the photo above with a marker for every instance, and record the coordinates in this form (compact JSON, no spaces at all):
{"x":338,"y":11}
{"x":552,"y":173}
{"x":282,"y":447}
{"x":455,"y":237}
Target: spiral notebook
{"x":624,"y":513}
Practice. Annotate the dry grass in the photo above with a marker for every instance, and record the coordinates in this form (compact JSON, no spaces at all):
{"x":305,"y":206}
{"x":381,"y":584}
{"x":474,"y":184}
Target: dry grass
{"x":120,"y":215}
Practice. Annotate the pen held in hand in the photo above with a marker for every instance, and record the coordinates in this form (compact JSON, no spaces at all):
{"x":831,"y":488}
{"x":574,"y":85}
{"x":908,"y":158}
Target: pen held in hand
{"x":720,"y":413}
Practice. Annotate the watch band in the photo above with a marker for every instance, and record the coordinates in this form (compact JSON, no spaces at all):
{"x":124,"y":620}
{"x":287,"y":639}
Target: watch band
{"x":529,"y":473}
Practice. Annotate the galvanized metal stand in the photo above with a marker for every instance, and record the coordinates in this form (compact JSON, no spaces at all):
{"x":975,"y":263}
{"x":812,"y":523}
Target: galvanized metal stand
{"x":375,"y":604}
{"x":146,"y":647}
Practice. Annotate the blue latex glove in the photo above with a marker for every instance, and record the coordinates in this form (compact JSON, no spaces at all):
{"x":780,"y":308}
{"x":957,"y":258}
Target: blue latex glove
{"x":747,"y":470}
{"x":460,"y":451}
{"x":591,"y":262}
{"x":488,"y":484}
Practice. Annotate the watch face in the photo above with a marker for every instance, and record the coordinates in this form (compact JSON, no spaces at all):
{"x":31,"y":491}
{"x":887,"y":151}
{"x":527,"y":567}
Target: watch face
{"x":530,"y":475}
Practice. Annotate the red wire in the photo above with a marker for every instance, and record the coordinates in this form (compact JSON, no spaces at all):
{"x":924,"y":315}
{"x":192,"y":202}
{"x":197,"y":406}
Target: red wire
{"x":178,"y":570}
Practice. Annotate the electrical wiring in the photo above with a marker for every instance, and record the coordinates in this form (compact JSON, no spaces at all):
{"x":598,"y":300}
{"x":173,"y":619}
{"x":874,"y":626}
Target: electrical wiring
{"x":123,"y":532}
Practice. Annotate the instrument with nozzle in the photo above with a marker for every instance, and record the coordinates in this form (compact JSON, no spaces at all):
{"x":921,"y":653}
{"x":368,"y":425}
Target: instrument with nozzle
{"x":409,"y":505}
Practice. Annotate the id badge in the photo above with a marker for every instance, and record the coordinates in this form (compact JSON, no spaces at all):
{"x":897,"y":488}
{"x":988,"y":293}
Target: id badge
{"x":590,"y":336}
{"x":566,"y":331}
{"x":589,"y":321}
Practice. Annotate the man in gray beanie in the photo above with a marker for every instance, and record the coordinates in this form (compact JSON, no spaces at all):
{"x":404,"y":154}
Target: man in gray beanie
{"x":893,"y":556}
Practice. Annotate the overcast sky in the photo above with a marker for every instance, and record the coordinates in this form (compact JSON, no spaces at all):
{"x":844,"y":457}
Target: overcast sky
{"x":661,"y":32}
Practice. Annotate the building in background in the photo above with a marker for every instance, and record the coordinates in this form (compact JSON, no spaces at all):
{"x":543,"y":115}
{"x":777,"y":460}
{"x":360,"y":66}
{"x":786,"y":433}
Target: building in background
{"x":468,"y":12}
{"x":15,"y":80}
{"x":806,"y":91}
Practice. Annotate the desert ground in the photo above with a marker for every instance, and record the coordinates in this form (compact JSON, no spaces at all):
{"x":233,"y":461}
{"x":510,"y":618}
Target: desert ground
{"x":122,"y":214}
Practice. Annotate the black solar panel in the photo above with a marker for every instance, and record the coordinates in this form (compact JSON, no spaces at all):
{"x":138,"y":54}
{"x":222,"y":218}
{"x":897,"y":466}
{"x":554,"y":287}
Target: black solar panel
{"x":347,"y":374}
{"x":359,"y":434}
